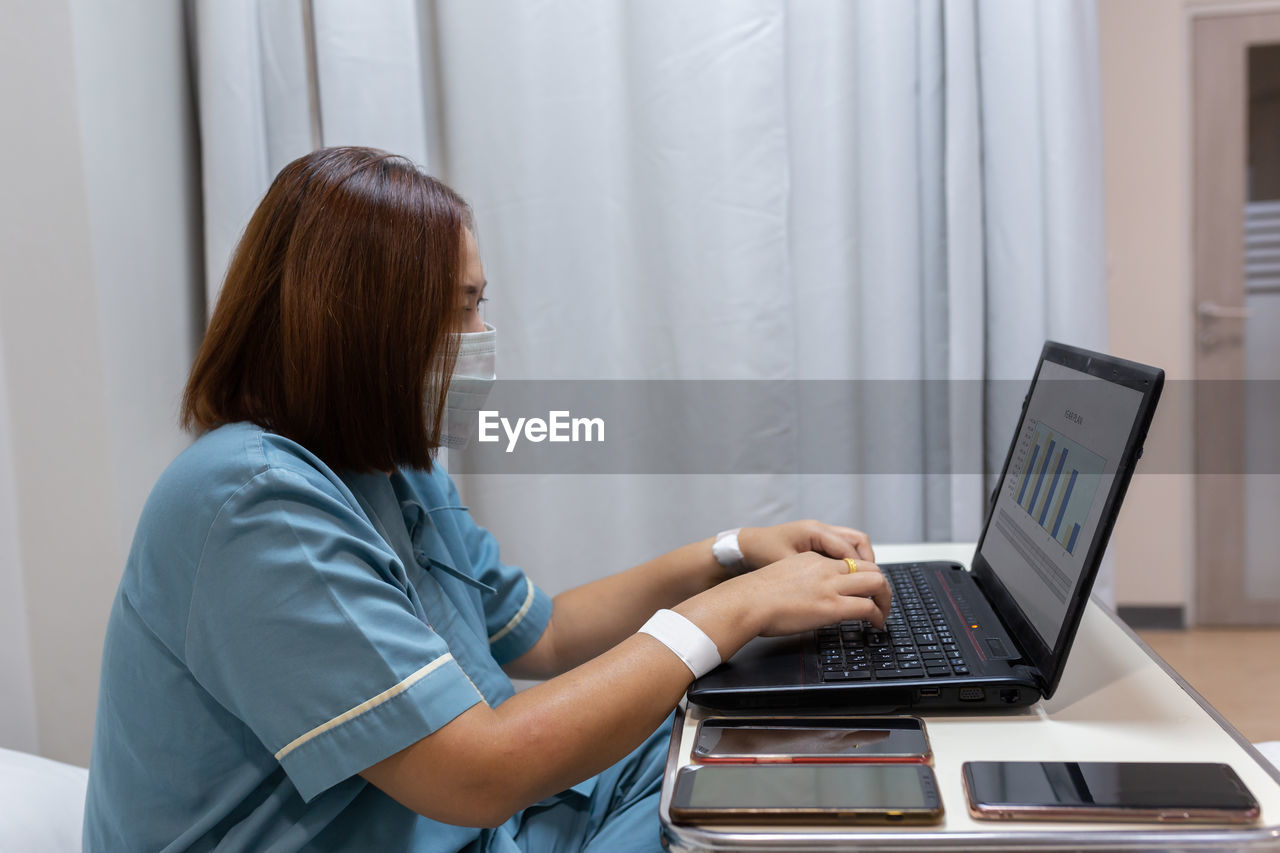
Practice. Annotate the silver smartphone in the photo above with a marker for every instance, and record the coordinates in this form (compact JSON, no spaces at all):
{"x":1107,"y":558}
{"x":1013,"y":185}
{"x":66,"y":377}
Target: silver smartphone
{"x":1106,"y":790}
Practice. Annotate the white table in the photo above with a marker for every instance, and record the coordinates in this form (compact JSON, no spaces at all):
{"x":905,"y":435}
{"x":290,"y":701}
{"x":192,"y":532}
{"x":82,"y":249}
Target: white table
{"x":1117,"y":702}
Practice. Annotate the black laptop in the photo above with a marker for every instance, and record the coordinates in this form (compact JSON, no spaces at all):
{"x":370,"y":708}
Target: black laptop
{"x":997,"y":635}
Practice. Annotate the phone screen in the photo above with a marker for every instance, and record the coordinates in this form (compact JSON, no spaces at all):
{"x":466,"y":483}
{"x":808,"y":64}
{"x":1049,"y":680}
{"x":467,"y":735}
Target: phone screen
{"x":894,"y":791}
{"x":819,"y":739}
{"x":1172,"y":788}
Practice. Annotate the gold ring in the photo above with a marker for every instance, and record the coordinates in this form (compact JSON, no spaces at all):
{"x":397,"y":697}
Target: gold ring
{"x":853,"y":564}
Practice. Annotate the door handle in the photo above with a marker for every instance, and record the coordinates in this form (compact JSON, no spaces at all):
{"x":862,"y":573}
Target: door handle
{"x":1213,"y":311}
{"x":1208,"y":314}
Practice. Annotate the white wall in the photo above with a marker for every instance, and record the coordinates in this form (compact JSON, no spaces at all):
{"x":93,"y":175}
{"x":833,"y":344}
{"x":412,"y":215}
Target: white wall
{"x":1146,"y":135}
{"x":98,"y":293}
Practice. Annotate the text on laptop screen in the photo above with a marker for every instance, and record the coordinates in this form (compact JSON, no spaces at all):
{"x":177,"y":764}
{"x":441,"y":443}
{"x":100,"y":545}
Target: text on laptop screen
{"x":1048,"y":507}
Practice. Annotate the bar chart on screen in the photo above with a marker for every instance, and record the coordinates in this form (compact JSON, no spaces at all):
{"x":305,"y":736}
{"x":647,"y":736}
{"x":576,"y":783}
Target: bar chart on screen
{"x":1054,"y":479}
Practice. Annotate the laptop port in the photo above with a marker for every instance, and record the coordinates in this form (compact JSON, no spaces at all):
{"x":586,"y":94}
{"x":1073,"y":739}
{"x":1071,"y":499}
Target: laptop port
{"x":972,"y":694}
{"x":930,"y":692}
{"x":1009,"y":696}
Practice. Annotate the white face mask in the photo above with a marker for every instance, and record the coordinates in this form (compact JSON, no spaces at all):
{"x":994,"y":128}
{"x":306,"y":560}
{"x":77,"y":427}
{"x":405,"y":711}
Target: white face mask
{"x":473,"y":378}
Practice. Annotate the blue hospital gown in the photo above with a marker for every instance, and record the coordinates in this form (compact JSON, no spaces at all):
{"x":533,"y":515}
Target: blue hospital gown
{"x":279,"y":628}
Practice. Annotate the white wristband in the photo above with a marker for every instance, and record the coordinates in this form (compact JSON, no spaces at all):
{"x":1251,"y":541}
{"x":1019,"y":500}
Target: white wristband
{"x":728,"y":552}
{"x":684,"y":638}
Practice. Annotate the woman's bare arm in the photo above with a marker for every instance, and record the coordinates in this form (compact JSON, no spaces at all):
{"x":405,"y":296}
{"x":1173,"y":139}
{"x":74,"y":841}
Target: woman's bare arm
{"x":592,"y":618}
{"x":489,"y":763}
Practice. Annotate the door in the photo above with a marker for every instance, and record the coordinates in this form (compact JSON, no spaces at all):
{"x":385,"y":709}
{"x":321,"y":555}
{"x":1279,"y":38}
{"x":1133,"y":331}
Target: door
{"x":1236,"y":264}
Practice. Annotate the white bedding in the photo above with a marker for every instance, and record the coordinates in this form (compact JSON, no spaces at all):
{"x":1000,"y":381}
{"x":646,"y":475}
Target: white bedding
{"x":43,"y":803}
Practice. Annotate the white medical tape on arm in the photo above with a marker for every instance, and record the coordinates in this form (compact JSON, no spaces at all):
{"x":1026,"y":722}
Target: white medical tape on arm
{"x":728,"y":552}
{"x":684,"y":638}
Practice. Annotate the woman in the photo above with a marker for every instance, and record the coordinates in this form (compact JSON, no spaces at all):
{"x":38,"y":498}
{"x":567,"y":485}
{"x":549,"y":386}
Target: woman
{"x":312,"y":641}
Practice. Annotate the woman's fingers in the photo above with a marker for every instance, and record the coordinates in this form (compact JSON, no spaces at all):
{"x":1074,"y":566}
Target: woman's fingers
{"x":860,"y":541}
{"x":868,"y":583}
{"x":841,"y":542}
{"x":834,"y":542}
{"x":861,"y":607}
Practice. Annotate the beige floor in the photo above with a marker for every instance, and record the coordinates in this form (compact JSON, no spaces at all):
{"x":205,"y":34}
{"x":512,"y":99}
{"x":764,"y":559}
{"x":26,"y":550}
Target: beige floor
{"x":1236,"y":669}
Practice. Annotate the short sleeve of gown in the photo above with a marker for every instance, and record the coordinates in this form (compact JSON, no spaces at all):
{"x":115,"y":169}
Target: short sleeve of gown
{"x":302,"y":625}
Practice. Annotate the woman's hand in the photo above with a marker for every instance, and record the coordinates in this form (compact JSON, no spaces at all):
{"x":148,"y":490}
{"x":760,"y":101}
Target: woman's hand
{"x":808,"y":590}
{"x":798,"y":593}
{"x":764,"y":545}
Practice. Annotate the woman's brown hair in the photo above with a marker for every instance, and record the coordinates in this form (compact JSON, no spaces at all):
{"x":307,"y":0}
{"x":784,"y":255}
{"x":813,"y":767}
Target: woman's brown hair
{"x":336,"y":319}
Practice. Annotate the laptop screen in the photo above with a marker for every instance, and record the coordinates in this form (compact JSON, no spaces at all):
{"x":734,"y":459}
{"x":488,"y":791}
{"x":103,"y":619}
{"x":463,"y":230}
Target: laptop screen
{"x":1050,"y":503}
{"x":1075,"y":447}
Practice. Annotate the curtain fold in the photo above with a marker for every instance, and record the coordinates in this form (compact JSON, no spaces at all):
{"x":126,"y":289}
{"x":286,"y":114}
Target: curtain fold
{"x":18,"y":722}
{"x":894,"y":190}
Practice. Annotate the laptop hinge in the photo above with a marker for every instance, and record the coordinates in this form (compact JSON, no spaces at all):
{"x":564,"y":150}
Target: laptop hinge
{"x":1030,"y":672}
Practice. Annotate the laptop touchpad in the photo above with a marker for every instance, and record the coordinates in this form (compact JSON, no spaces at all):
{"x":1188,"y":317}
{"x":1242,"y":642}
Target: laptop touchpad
{"x":778,"y":661}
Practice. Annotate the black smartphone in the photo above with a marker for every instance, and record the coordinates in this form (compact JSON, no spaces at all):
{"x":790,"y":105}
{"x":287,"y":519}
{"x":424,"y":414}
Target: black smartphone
{"x":806,"y":793}
{"x":811,"y":740}
{"x":1104,"y":790}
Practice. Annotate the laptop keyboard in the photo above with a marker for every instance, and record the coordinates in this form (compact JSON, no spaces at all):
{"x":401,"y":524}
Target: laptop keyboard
{"x":916,"y":642}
